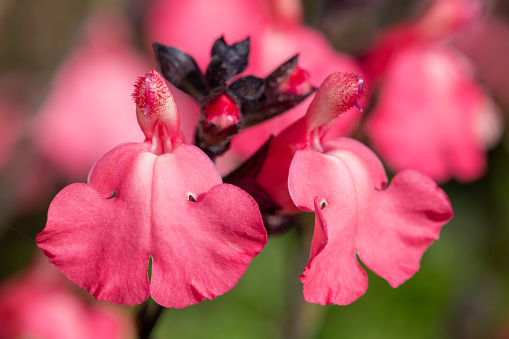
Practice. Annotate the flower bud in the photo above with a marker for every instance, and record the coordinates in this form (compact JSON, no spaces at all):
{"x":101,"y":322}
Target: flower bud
{"x":297,"y":82}
{"x":222,"y":112}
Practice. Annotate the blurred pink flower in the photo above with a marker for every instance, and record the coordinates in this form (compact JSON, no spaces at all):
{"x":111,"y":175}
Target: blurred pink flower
{"x":431,"y":115}
{"x":25,"y":178}
{"x":194,"y":25}
{"x":41,"y":303}
{"x":87,"y":110}
{"x":276,"y":34}
{"x":485,"y":43}
{"x":162,"y":199}
{"x":12,"y":120}
{"x":344,"y":183}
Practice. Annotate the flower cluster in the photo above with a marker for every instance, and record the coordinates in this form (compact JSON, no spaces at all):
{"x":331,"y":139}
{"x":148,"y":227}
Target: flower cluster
{"x":162,"y":202}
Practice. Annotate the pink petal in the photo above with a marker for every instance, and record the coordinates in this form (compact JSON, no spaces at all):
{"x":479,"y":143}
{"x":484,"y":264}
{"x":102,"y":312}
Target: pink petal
{"x":333,"y":274}
{"x":338,"y":93}
{"x":343,"y":160}
{"x":40,"y":303}
{"x":209,"y":250}
{"x":87,"y":110}
{"x":200,"y":249}
{"x":389,"y":228}
{"x":405,"y":219}
{"x":428,"y":115}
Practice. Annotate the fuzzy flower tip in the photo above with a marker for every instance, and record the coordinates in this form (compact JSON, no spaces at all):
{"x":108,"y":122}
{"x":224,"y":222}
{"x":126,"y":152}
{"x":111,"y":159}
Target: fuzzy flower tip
{"x":338,"y":93}
{"x":155,"y":104}
{"x":160,"y":201}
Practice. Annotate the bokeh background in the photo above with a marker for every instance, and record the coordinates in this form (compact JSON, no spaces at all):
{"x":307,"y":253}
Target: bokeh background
{"x":66,"y":74}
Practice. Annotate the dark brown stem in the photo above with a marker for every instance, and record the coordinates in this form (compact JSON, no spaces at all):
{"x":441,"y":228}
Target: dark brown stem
{"x":303,"y":318}
{"x":147,"y":318}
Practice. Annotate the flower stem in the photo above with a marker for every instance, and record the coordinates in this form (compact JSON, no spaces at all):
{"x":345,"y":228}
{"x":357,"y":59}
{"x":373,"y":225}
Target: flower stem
{"x":147,"y":318}
{"x":304,"y":319}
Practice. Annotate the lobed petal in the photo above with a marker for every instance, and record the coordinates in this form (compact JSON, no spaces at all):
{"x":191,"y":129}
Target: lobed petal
{"x":390,"y":228}
{"x":404,"y":220}
{"x":207,"y":249}
{"x":200,"y":246}
{"x":102,"y":244}
{"x":333,"y":274}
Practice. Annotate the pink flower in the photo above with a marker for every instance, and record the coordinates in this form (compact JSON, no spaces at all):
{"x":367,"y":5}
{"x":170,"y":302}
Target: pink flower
{"x":484,"y":43}
{"x":344,"y":183}
{"x":431,"y":114}
{"x":194,"y":25}
{"x":276,"y":34}
{"x":40,"y":303}
{"x":12,"y":119}
{"x":347,"y":87}
{"x":84,"y":114}
{"x":439,"y":123}
{"x":160,"y":199}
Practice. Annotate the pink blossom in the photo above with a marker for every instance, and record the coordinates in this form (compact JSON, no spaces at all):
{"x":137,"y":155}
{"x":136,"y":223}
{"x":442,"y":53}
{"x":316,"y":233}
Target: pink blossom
{"x":283,"y":147}
{"x":40,"y":303}
{"x":12,"y":118}
{"x":160,"y":199}
{"x":431,"y":114}
{"x":84,"y":114}
{"x":439,"y":124}
{"x":276,"y":32}
{"x":194,"y":25}
{"x":484,"y":43}
{"x":344,"y":183}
